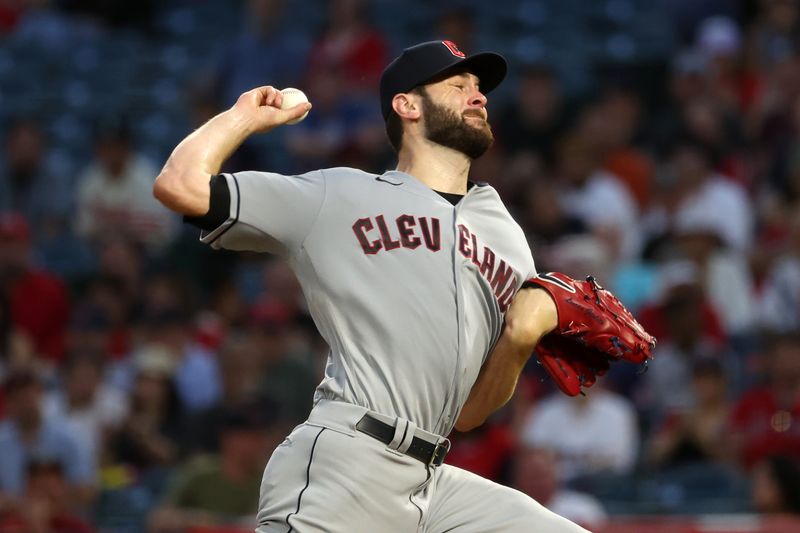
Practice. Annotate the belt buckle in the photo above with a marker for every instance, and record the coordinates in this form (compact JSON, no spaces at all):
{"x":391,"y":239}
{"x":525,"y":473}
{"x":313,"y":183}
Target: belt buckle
{"x":439,"y":452}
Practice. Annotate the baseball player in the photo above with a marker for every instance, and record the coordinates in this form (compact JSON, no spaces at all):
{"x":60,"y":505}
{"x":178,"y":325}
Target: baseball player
{"x":413,"y":278}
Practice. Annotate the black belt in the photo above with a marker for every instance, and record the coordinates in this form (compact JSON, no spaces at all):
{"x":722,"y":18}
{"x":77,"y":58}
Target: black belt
{"x":429,"y":453}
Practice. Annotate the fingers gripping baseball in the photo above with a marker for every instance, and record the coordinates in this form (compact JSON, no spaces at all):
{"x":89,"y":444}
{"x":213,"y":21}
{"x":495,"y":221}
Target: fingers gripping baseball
{"x":260,"y":108}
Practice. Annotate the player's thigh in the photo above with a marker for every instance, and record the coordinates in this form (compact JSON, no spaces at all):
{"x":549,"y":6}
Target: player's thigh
{"x":325,"y":480}
{"x":464,"y":502}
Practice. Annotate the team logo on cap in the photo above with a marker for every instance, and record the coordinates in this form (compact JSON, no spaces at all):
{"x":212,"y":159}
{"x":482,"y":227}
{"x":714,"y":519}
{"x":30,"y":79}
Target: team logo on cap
{"x":453,"y":48}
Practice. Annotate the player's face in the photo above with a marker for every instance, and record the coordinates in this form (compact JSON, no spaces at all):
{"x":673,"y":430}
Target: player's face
{"x":455,"y":115}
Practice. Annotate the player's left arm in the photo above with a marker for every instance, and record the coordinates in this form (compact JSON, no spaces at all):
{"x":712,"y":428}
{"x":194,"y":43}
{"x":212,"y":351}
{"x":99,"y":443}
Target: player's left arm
{"x":531,"y":315}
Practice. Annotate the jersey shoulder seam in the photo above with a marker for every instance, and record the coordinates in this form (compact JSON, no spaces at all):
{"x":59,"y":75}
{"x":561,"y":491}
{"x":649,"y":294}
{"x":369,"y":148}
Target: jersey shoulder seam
{"x":319,"y":211}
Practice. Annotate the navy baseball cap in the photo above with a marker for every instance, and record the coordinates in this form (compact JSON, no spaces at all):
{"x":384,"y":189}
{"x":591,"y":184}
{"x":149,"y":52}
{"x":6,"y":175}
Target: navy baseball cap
{"x":422,"y":63}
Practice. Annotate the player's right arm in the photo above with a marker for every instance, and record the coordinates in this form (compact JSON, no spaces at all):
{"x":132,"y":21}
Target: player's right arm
{"x":183,"y":184}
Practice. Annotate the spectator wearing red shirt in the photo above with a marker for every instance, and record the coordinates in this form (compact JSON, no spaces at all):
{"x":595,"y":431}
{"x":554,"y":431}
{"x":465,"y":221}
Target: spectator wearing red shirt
{"x":351,"y":45}
{"x":766,"y":420}
{"x":44,"y":505}
{"x":37,"y":300}
{"x":485,"y":450}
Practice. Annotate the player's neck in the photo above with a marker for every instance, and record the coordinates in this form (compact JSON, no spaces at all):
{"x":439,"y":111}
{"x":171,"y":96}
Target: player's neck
{"x":441,"y":169}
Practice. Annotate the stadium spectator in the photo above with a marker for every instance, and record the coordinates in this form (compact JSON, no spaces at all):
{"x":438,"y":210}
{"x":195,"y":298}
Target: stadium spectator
{"x":616,"y":132}
{"x":101,"y":320}
{"x":10,"y":14}
{"x":37,"y":300}
{"x":763,"y":419}
{"x":222,"y":490}
{"x":597,"y":196}
{"x":114,"y":191}
{"x":148,"y":438}
{"x":45,"y":504}
{"x":242,"y":370}
{"x":88,"y":406}
{"x":779,"y":299}
{"x":774,"y":35}
{"x":687,"y":330}
{"x":594,"y":434}
{"x":457,"y":23}
{"x":535,"y":472}
{"x":547,"y":223}
{"x":26,"y":184}
{"x":351,"y":45}
{"x":16,"y":348}
{"x":195,"y":368}
{"x":535,"y":119}
{"x":723,"y":272}
{"x":696,"y":192}
{"x":288,"y":369}
{"x":26,"y":435}
{"x":486,"y":450}
{"x":269,"y":46}
{"x":340,"y":130}
{"x":121,"y":266}
{"x":719,"y":41}
{"x":698,"y":433}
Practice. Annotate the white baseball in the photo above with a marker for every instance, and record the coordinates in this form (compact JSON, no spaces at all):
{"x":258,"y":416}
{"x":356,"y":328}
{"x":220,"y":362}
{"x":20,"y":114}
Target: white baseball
{"x":292,"y":97}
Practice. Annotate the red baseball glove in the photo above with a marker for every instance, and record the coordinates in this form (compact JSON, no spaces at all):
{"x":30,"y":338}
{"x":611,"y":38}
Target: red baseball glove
{"x":594,"y":329}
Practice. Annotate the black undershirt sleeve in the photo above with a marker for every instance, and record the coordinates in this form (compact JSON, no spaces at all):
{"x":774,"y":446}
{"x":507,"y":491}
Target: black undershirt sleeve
{"x":219,"y":206}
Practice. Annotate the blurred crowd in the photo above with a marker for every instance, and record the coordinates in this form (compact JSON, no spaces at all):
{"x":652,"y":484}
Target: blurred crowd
{"x":145,"y":378}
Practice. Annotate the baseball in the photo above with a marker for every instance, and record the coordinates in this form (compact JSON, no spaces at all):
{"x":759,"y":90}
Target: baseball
{"x":292,"y":97}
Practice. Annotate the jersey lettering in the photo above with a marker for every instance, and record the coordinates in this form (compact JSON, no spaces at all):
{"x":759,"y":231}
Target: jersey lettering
{"x":432,"y":237}
{"x":463,"y":241}
{"x":405,"y":226}
{"x":501,"y":279}
{"x":407,"y":237}
{"x":475,"y":251}
{"x":360,"y":228}
{"x":487,"y":266}
{"x":388,"y":243}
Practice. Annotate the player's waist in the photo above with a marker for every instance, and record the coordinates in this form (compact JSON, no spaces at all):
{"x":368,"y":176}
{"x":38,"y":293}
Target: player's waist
{"x":397,"y":433}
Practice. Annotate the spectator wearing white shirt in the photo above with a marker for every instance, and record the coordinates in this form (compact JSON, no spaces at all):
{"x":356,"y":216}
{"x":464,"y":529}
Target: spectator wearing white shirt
{"x":115,"y":192}
{"x":723,"y":271}
{"x":90,"y":408}
{"x":592,"y":434}
{"x":779,"y":301}
{"x":598,"y":197}
{"x":695,"y":191}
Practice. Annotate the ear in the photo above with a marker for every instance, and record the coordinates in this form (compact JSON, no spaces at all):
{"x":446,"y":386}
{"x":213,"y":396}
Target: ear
{"x":406,"y":106}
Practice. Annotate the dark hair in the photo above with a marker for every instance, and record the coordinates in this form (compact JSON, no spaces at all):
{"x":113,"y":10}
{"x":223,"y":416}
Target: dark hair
{"x":708,"y":367}
{"x":114,"y":127}
{"x":20,"y":379}
{"x":686,"y":142}
{"x":394,"y":124}
{"x":76,"y":358}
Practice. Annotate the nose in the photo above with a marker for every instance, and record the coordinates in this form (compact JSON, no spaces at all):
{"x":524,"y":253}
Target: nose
{"x":478,"y":99}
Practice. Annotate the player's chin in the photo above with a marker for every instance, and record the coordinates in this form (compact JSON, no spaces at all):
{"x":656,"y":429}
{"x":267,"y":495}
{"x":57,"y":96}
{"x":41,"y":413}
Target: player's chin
{"x":477,"y":122}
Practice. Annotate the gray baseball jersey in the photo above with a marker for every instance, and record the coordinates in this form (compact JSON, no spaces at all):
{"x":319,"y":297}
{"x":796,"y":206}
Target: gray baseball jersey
{"x":408,"y":290}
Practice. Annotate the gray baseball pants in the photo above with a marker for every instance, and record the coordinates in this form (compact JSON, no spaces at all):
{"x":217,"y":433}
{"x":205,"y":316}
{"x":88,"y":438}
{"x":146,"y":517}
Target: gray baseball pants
{"x":328,"y":477}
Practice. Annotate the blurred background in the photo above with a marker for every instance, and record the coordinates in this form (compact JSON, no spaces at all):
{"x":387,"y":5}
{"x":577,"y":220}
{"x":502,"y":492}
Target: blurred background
{"x":654,"y":143}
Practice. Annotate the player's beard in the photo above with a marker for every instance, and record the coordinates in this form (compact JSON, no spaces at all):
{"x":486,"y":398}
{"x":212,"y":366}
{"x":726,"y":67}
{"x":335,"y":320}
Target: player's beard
{"x":445,"y":127}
